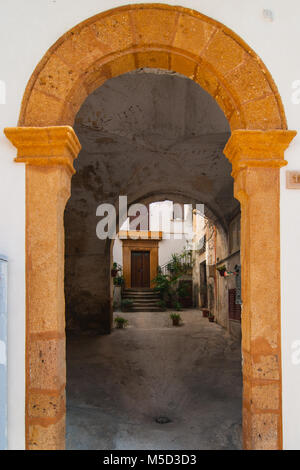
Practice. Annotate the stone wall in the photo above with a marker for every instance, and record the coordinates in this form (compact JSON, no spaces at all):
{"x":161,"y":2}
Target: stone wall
{"x":87,"y":265}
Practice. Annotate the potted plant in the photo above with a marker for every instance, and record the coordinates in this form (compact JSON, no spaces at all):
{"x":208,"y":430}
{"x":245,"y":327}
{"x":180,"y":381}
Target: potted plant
{"x":211,"y":318}
{"x":118,"y":281}
{"x":121,"y":322}
{"x":126,"y":305}
{"x":222,"y":270}
{"x":176,"y":318}
{"x":205,"y":312}
{"x":114,"y":270}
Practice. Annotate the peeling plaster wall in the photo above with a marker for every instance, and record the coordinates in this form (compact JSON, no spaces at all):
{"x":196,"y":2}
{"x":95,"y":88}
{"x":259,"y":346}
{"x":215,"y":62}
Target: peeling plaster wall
{"x":222,"y":247}
{"x":229,"y":250}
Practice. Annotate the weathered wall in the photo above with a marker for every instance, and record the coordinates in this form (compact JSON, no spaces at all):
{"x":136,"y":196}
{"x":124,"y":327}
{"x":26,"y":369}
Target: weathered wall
{"x":228,"y":254}
{"x":222,"y":247}
{"x":87,"y":258}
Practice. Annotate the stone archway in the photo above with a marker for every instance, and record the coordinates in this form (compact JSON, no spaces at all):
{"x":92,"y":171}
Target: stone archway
{"x":104,"y":46}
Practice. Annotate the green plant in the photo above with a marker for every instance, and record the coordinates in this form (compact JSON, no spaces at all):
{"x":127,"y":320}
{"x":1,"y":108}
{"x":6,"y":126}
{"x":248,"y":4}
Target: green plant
{"x":177,"y":305}
{"x":182,"y":291}
{"x":115,"y":269}
{"x":179,"y":264}
{"x":121,"y":322}
{"x":175,"y":316}
{"x":165,"y":284}
{"x":118,"y":281}
{"x":221,"y":268}
{"x":126,"y":304}
{"x":162,"y":284}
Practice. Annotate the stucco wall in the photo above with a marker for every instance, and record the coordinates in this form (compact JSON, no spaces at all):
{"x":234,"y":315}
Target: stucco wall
{"x":227,"y":250}
{"x":27,"y":30}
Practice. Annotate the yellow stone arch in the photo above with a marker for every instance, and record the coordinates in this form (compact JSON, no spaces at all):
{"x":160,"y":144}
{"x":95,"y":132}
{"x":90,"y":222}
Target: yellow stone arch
{"x":152,"y":35}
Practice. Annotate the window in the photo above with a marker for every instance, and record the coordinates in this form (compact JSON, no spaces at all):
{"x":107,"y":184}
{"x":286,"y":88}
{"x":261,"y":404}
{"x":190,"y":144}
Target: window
{"x":178,"y":211}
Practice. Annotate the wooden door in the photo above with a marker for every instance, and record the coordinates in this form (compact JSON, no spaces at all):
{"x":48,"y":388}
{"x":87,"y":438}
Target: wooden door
{"x":234,"y":309}
{"x":140,"y":269}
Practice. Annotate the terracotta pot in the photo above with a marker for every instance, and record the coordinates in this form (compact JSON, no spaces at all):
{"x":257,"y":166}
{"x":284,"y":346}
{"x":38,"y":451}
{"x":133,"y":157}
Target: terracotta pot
{"x":205,"y":313}
{"x":175,"y":321}
{"x":222,"y":273}
{"x":211,"y":319}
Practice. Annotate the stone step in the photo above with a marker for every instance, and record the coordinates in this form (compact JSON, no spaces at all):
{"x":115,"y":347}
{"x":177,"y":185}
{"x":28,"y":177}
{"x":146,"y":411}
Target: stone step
{"x":139,"y":289}
{"x":146,"y":293}
{"x":143,"y":309}
{"x":145,"y":304}
{"x":146,"y":299}
{"x":140,"y":296}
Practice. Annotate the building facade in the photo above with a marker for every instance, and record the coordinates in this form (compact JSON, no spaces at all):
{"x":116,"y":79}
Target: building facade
{"x":217,"y":271}
{"x":140,"y":250}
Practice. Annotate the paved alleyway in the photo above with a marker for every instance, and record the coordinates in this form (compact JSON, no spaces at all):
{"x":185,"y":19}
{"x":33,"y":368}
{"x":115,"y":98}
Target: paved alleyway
{"x":118,"y":384}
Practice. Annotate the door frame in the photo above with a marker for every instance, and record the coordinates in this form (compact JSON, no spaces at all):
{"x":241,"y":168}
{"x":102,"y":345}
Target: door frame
{"x":139,"y":245}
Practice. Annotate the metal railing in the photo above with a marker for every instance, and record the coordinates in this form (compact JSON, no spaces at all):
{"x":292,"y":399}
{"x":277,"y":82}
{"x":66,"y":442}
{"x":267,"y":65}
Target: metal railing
{"x":185,"y":261}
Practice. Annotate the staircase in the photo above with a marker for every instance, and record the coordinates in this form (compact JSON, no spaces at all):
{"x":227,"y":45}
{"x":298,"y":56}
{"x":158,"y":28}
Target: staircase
{"x":144,"y":300}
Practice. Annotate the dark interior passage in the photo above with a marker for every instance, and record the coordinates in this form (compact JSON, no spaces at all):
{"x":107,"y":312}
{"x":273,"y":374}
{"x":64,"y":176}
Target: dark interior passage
{"x":147,"y":134}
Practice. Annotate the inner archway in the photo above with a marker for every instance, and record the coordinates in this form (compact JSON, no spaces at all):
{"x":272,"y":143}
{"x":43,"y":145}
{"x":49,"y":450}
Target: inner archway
{"x":104,"y":46}
{"x":143,"y":134}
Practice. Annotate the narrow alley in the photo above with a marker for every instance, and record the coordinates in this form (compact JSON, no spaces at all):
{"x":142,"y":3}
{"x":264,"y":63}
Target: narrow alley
{"x":119,"y":384}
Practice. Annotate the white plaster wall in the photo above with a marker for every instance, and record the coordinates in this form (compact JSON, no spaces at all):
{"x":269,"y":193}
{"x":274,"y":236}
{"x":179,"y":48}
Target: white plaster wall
{"x":165,"y":250}
{"x":169,"y":247}
{"x":174,"y":240}
{"x":27,"y":29}
{"x":117,"y":252}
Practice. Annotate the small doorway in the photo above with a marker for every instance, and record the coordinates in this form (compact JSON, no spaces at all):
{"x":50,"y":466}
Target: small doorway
{"x":234,"y":308}
{"x":140,"y":269}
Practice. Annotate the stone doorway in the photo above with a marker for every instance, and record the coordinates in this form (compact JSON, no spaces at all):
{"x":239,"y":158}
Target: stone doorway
{"x":107,"y":45}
